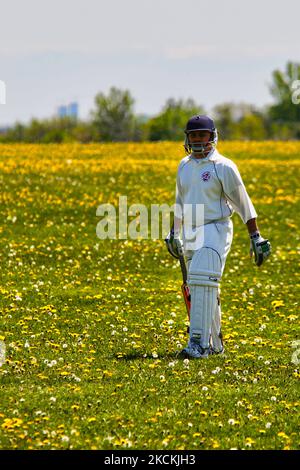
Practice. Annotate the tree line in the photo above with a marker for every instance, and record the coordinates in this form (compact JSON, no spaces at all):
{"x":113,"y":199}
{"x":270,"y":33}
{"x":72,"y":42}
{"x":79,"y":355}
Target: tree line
{"x":113,"y":118}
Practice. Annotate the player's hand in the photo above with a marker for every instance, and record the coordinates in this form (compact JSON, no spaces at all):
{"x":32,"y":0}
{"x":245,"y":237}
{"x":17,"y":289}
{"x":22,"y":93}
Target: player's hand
{"x":260,"y":247}
{"x":174,"y":244}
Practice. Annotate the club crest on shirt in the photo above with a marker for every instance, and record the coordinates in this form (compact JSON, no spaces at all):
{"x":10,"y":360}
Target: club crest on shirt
{"x":206,"y":176}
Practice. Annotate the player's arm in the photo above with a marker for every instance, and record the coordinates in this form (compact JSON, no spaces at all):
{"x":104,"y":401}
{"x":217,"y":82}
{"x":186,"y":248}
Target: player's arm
{"x":173,"y":241}
{"x":177,"y":225}
{"x":236,"y":193}
{"x":260,"y":247}
{"x":252,"y":226}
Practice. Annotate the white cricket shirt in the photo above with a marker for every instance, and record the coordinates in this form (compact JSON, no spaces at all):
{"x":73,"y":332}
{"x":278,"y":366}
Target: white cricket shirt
{"x":215,"y":182}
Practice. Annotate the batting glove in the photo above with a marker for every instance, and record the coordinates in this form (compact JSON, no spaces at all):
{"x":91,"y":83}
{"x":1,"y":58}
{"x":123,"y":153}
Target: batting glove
{"x":261,"y":248}
{"x":174,"y":244}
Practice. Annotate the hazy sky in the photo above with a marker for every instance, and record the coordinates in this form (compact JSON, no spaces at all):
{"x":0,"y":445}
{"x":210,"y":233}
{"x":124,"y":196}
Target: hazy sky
{"x":54,"y":52}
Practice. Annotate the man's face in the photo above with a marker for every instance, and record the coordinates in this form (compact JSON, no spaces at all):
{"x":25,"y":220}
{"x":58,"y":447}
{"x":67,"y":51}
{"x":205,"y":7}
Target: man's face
{"x":199,"y":136}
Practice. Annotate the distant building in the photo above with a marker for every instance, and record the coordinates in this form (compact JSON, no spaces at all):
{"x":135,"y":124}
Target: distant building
{"x":62,"y":111}
{"x":70,"y":110}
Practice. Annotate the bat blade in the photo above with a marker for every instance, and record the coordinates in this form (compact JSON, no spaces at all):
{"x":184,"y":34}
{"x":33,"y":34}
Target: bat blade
{"x":184,"y":287}
{"x":186,"y":297}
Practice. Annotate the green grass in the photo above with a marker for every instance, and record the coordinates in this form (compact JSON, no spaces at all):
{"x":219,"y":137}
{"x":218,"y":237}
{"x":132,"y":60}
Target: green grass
{"x":92,"y":327}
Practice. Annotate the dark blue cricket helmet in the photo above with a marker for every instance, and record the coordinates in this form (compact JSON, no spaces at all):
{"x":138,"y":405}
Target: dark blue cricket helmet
{"x":200,"y":122}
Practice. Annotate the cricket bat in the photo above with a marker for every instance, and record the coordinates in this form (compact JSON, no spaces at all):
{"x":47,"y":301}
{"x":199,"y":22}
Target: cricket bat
{"x":184,"y":286}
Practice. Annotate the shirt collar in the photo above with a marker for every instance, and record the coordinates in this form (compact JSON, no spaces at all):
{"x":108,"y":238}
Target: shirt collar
{"x":208,"y":157}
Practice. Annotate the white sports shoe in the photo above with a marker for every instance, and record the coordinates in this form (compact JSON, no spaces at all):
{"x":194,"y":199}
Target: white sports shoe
{"x":194,"y":350}
{"x":214,"y":351}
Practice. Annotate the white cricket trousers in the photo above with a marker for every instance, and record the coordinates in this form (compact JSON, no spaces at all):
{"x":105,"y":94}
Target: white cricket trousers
{"x":217,"y":235}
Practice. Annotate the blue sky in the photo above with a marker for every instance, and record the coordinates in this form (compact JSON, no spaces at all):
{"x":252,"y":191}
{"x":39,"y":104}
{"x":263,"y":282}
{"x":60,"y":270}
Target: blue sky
{"x":52,"y":53}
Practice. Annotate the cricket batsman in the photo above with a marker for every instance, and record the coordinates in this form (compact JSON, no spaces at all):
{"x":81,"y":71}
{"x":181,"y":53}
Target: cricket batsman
{"x":209,"y":188}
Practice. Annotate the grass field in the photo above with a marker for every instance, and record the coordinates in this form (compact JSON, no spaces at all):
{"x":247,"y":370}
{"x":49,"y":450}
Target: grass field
{"x":91,"y":326}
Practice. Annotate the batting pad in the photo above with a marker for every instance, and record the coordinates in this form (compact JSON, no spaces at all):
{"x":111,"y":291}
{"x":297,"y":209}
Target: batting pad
{"x":203,"y":280}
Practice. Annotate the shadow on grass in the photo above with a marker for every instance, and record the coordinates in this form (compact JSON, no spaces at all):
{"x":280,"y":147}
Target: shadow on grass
{"x":134,"y":356}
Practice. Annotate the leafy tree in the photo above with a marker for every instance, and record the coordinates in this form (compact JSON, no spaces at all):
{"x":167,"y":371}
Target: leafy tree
{"x":50,"y":130}
{"x":284,"y":110}
{"x":13,"y":134}
{"x":83,"y":132}
{"x":36,"y":131}
{"x":170,"y":123}
{"x":224,"y":119}
{"x":249,"y":127}
{"x":113,"y":118}
{"x":239,"y":121}
{"x":282,"y":131}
